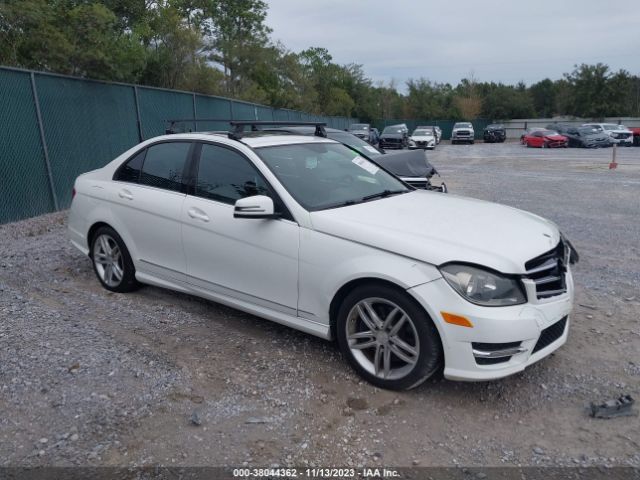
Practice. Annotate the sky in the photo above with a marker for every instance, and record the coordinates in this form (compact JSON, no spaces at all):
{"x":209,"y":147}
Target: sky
{"x":444,"y":41}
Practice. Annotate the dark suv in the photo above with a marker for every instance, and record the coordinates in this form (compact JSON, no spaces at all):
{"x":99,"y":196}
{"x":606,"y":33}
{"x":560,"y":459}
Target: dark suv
{"x":495,"y":133}
{"x":394,"y":136}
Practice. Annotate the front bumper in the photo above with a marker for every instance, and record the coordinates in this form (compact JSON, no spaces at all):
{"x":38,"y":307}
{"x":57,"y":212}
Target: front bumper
{"x":626,"y":142}
{"x":521,"y":324}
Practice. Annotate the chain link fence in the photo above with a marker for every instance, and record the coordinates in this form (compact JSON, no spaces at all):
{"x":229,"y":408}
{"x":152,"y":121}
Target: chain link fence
{"x":55,"y":127}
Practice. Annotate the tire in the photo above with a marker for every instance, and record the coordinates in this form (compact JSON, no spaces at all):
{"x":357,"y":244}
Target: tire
{"x":112,"y":262}
{"x":415,"y":337}
{"x":472,"y":142}
{"x":545,"y":145}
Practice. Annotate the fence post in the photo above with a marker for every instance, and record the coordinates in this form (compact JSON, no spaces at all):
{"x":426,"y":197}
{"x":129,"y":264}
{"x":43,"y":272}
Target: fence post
{"x":36,"y":100}
{"x":231,"y":109}
{"x":195,"y":113}
{"x":140,"y":134}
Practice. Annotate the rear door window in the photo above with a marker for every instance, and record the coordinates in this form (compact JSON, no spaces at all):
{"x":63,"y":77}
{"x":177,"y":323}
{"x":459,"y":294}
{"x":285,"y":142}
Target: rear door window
{"x":164,"y":165}
{"x":130,"y":171}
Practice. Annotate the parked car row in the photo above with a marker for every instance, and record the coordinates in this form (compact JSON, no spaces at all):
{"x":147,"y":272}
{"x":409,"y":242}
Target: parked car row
{"x":589,"y":135}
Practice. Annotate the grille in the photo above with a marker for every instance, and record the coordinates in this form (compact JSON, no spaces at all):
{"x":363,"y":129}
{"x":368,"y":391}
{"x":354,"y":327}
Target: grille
{"x":463,"y":132}
{"x":548,"y":271}
{"x":550,"y":334}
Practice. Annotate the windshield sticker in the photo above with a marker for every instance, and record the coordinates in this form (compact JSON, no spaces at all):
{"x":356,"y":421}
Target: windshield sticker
{"x":366,"y":165}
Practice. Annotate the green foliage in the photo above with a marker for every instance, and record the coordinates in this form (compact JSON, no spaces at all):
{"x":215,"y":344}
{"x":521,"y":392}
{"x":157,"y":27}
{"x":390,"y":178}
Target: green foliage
{"x":224,"y":48}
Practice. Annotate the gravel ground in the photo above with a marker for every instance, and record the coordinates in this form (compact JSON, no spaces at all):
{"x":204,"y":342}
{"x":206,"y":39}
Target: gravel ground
{"x":88,"y":377}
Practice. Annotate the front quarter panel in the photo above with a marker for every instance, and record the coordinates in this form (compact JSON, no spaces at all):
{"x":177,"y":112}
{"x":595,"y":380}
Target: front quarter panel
{"x":327,"y":263}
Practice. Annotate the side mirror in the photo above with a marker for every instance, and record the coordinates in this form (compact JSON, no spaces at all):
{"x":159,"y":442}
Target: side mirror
{"x":258,"y":206}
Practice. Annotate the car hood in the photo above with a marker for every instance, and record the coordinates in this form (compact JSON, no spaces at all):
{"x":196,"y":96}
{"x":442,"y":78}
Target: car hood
{"x":391,"y":135}
{"x":436,"y":229}
{"x":406,"y":163}
{"x":359,"y":132}
{"x":555,"y":137}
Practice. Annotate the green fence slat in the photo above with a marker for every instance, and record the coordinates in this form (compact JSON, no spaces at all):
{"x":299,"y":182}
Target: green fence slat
{"x":157,"y":106}
{"x":86,"y":124}
{"x":24,"y":185}
{"x":213,"y":107}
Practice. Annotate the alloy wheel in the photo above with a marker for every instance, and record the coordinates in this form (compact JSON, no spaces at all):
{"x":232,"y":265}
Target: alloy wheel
{"x":382,"y":338}
{"x":108,"y":260}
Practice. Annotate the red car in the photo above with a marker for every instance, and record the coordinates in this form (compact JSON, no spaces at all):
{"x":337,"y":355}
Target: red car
{"x":636,"y":136}
{"x":545,"y":139}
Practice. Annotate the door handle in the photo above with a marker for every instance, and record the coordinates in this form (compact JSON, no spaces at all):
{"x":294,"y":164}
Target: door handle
{"x":125,"y":194}
{"x":198,"y":214}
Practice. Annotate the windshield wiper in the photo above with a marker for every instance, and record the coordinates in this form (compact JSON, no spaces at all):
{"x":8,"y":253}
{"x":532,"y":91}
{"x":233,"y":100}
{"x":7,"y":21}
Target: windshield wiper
{"x":384,"y":193}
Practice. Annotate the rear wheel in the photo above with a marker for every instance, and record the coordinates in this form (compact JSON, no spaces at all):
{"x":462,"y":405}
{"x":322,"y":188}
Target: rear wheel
{"x":388,"y":338}
{"x":112,"y":262}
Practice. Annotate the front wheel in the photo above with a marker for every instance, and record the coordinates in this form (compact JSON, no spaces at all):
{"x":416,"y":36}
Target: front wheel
{"x":112,"y":262}
{"x":388,"y":338}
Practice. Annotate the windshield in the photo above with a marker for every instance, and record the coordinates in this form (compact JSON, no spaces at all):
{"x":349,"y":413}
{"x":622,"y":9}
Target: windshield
{"x":423,"y":133}
{"x":359,"y":126}
{"x":613,"y":126}
{"x":355,"y":142}
{"x":392,"y":130}
{"x":589,"y":130}
{"x":462,"y":125}
{"x":328,"y":175}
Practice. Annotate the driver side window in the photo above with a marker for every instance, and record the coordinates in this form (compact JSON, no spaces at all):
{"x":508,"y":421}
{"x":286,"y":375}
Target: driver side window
{"x":226,"y":176}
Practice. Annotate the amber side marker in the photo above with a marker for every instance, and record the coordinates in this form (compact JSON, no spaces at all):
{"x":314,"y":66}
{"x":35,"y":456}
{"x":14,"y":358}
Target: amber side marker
{"x":456,"y":319}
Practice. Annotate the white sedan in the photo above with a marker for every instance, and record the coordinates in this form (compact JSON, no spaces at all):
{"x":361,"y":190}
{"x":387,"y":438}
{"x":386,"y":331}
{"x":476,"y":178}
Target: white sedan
{"x":304,"y":232}
{"x":424,"y":139}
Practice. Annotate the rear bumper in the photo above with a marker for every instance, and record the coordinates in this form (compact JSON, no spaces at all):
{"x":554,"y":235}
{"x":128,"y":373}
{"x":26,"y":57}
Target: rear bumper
{"x":522,"y":325}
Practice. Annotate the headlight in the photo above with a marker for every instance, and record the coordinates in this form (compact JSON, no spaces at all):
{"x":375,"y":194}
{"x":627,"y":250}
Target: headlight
{"x":483,"y":287}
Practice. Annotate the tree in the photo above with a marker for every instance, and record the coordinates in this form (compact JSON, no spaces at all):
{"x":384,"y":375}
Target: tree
{"x":590,"y":91}
{"x":80,"y":39}
{"x":235,"y":33}
{"x":543,"y":95}
{"x":468,"y":100}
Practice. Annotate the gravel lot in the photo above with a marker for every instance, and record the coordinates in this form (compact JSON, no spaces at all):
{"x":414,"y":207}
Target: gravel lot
{"x":88,"y":377}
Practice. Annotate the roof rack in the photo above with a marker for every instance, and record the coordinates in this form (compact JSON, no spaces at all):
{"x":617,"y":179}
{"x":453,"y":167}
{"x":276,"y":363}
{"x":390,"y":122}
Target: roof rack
{"x":238,"y":126}
{"x":172,"y":123}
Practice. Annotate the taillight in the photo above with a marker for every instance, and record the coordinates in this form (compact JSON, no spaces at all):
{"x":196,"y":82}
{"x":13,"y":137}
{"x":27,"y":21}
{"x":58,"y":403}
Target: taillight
{"x":73,"y":193}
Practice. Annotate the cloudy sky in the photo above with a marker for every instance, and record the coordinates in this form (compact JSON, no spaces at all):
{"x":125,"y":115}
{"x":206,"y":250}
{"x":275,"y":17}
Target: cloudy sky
{"x":503,"y":41}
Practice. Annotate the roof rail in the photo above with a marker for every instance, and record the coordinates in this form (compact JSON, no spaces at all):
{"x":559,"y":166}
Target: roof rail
{"x":172,"y":123}
{"x":238,"y":126}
